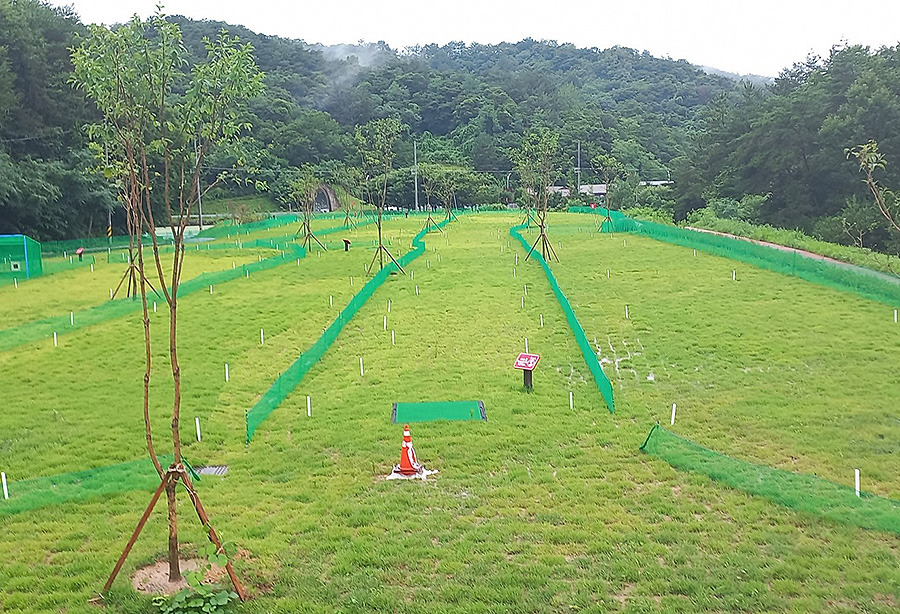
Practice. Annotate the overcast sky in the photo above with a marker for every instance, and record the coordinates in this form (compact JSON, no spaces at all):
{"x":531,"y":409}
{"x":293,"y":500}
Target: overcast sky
{"x":760,"y":36}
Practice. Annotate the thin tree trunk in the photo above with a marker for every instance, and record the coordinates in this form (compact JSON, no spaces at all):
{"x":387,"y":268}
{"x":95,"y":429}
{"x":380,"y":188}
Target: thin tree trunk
{"x":174,"y":564}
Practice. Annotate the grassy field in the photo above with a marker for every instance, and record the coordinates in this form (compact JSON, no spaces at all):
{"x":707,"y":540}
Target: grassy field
{"x":540,"y":509}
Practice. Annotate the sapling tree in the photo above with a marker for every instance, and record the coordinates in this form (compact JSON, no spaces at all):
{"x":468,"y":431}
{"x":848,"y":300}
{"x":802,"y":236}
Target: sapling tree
{"x":376,"y":141}
{"x":160,"y":119}
{"x":535,"y":162}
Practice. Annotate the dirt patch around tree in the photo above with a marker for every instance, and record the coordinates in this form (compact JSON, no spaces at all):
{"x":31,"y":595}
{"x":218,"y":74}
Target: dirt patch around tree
{"x":153,"y":579}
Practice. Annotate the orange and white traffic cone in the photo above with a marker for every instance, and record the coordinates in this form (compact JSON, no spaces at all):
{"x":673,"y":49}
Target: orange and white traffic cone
{"x":409,"y":467}
{"x":409,"y":464}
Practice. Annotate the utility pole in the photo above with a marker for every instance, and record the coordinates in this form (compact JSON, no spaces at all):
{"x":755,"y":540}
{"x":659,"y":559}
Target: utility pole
{"x":578,"y":172}
{"x":416,"y":173}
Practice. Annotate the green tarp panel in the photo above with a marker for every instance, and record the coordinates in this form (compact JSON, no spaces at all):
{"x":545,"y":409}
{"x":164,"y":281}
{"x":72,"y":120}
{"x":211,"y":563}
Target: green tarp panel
{"x":438,"y":410}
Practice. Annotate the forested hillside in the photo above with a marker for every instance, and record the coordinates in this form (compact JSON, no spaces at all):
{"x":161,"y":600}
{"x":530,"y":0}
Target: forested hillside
{"x":759,"y":153}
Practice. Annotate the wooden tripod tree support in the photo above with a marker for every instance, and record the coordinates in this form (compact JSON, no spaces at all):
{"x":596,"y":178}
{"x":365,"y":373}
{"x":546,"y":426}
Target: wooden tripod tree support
{"x":175,"y":472}
{"x":133,"y":275}
{"x":547,"y":250}
{"x":308,"y":236}
{"x":383,"y":250}
{"x":430,"y":223}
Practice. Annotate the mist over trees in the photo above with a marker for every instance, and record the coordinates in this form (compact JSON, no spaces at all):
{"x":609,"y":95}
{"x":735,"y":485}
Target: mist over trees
{"x":771,"y":153}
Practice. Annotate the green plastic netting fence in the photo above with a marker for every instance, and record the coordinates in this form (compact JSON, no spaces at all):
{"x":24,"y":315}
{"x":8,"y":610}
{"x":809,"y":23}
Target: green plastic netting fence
{"x":44,"y":328}
{"x":290,"y":379}
{"x":587,"y":350}
{"x":805,"y":493}
{"x":848,"y":278}
{"x":25,"y":495}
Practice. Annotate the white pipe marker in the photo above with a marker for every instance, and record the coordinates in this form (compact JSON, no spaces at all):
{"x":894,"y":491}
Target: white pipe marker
{"x":542,"y":320}
{"x":571,"y":400}
{"x":361,"y":372}
{"x":5,"y":490}
{"x":262,"y":337}
{"x":526,"y":345}
{"x":54,"y":339}
{"x":226,"y":371}
{"x":92,"y":267}
{"x":673,"y":414}
{"x":308,"y":407}
{"x":417,"y":290}
{"x":71,"y":318}
{"x":895,"y":316}
{"x":856,"y":471}
{"x":197,"y":422}
{"x":392,"y":338}
{"x":526,"y":289}
{"x":523,"y":302}
{"x":733,"y":275}
{"x":385,"y":322}
{"x":626,"y":312}
{"x":389,"y":305}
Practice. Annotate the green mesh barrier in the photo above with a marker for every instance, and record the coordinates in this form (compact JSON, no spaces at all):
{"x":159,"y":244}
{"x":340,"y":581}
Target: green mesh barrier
{"x":20,"y":258}
{"x":587,"y":350}
{"x":845,"y":277}
{"x":104,"y":312}
{"x":36,"y":493}
{"x":804,"y":493}
{"x":90,"y":244}
{"x":438,"y":410}
{"x":44,"y":328}
{"x":290,"y":379}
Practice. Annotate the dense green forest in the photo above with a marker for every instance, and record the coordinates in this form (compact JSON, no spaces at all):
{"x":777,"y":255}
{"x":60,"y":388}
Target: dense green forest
{"x":755,"y":152}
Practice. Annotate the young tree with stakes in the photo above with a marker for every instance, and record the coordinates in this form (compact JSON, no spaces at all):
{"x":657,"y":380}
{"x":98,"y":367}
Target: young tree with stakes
{"x":535,"y":162}
{"x":376,"y":141}
{"x":430,"y":174}
{"x":131,"y":74}
{"x":448,"y":184}
{"x":303,"y":191}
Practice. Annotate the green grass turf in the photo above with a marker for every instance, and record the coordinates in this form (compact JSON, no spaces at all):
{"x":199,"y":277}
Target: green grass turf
{"x":541,"y":509}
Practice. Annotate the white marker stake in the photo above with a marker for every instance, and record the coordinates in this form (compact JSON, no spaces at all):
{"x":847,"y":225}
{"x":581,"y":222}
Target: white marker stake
{"x":389,"y":305}
{"x":626,"y":312}
{"x":571,"y":400}
{"x":92,"y":267}
{"x":361,"y":372}
{"x":439,"y":257}
{"x":393,"y":342}
{"x":607,"y":273}
{"x":5,"y":490}
{"x":412,"y":274}
{"x":695,"y":253}
{"x":856,"y":471}
{"x":517,"y":259}
{"x":385,"y":322}
{"x":624,"y":244}
{"x":523,"y":302}
{"x":110,"y":294}
{"x":417,"y":290}
{"x":331,"y":300}
{"x":197,"y":422}
{"x":526,"y":345}
{"x":308,"y":407}
{"x":673,"y":414}
{"x":542,"y":320}
{"x":233,"y":265}
{"x":262,"y":337}
{"x":526,"y":289}
{"x":733,"y":275}
{"x":16,"y":282}
{"x":298,"y":262}
{"x":54,"y":340}
{"x":351,"y":280}
{"x":248,"y":273}
{"x":71,"y":318}
{"x":895,"y":316}
{"x":210,"y":289}
{"x":226,"y":371}
{"x":154,"y":306}
{"x":514,"y":271}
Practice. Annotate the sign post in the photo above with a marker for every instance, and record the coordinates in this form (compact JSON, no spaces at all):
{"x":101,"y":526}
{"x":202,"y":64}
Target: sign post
{"x":527,"y":363}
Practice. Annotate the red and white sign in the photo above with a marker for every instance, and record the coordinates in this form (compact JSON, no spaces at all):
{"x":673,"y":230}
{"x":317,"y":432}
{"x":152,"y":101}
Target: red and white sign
{"x":527,"y":362}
